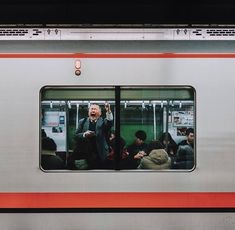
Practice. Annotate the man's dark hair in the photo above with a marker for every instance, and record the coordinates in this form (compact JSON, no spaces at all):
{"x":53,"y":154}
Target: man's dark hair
{"x":189,"y":130}
{"x":48,"y":144}
{"x":141,"y":135}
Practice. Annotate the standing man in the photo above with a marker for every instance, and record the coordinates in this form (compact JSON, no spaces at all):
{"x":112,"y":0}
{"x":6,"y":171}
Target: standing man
{"x":95,"y":130}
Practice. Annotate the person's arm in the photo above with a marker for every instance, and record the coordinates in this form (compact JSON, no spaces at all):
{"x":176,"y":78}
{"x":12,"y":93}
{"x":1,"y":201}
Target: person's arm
{"x":80,"y":133}
{"x":139,"y":155}
{"x":108,"y":121}
{"x":109,"y":114}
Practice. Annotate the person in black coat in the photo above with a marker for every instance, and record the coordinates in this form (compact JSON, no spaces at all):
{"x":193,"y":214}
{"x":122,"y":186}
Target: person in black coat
{"x":168,"y":144}
{"x":184,"y":158}
{"x":137,"y":150}
{"x":49,"y":159}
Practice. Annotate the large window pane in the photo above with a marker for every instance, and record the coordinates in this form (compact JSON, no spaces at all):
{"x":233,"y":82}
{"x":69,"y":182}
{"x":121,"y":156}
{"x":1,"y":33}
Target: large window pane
{"x":127,"y":128}
{"x":155,"y":122}
{"x":76,"y":126}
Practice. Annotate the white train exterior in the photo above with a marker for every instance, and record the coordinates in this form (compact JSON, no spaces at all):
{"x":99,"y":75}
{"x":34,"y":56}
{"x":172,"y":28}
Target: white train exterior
{"x":118,"y":57}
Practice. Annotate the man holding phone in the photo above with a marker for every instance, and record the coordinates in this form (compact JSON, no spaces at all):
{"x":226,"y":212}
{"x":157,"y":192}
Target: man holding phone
{"x":95,"y":130}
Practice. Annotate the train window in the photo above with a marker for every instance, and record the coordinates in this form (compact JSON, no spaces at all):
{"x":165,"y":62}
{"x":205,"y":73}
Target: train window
{"x":83,"y":128}
{"x":155,"y":122}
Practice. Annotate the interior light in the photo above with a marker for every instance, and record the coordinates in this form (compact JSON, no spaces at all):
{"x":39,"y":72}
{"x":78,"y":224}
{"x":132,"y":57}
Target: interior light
{"x":180,"y":105}
{"x":69,"y":104}
{"x":143,"y":105}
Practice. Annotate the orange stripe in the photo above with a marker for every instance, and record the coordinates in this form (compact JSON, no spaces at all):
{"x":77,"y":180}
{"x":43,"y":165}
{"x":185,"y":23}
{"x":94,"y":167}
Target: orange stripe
{"x":117,"y":55}
{"x":119,"y":200}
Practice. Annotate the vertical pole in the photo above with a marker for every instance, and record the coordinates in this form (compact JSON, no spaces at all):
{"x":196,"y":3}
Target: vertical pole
{"x":167,"y":118}
{"x":154,"y":122}
{"x":117,"y":127}
{"x":67,"y":129}
{"x":77,"y":117}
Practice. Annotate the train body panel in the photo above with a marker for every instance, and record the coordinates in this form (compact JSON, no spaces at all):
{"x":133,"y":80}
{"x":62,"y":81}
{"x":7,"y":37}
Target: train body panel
{"x":22,"y":79}
{"x":90,"y":221}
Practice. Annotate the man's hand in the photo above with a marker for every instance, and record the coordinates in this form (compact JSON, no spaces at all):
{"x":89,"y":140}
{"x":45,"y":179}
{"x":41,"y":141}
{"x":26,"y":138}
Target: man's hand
{"x":140,"y":155}
{"x":107,"y":107}
{"x":89,"y":134}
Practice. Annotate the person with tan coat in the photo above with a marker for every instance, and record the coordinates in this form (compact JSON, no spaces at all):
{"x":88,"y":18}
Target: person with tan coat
{"x":157,"y":159}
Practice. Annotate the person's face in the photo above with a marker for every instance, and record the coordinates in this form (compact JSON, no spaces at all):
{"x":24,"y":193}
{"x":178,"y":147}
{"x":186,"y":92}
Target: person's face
{"x":190,"y":137}
{"x":94,"y":112}
{"x":112,"y":136}
{"x":164,"y":142}
{"x":139,"y":141}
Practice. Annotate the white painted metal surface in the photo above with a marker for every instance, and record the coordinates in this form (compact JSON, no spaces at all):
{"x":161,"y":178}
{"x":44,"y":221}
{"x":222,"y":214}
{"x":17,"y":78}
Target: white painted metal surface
{"x":117,"y":34}
{"x":20,"y":83}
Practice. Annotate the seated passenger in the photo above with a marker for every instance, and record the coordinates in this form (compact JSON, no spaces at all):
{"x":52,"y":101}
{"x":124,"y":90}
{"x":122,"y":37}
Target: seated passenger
{"x":157,"y":158}
{"x":184,"y":158}
{"x":189,"y":138}
{"x":110,"y":163}
{"x":49,"y":159}
{"x":43,"y":133}
{"x":111,"y":136}
{"x":154,"y":144}
{"x":168,"y":144}
{"x":137,"y":150}
{"x":110,"y":139}
{"x":82,"y":156}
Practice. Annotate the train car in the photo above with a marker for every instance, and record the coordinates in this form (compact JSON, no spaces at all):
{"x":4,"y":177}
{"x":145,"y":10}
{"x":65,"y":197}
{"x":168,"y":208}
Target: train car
{"x":166,"y":91}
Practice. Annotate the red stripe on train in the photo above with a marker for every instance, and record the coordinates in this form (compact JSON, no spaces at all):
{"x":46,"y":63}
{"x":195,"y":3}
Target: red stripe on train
{"x":117,"y":55}
{"x":119,"y":200}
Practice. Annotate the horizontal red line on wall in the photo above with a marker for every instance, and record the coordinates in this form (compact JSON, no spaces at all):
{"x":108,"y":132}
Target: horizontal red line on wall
{"x":117,"y":55}
{"x":119,"y":200}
